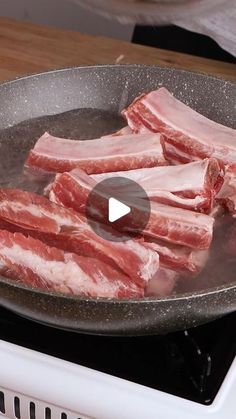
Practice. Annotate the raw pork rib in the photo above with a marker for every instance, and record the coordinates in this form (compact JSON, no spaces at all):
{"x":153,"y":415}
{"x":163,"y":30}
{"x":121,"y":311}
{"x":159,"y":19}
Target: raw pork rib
{"x":122,"y":152}
{"x":162,"y":283}
{"x":191,"y":186}
{"x":60,"y":227}
{"x":36,"y":264}
{"x":227,"y":195}
{"x":71,"y":190}
{"x":135,"y":123}
{"x":186,"y":130}
{"x":178,"y":226}
{"x":179,"y":258}
{"x":31,"y":211}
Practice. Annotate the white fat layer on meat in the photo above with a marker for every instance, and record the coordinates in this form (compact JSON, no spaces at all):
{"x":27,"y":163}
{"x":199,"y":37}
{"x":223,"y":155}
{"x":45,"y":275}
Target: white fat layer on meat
{"x":229,"y":186}
{"x":53,"y":198}
{"x":190,"y":176}
{"x":175,"y":114}
{"x":192,"y":260}
{"x":183,"y":215}
{"x":40,"y":212}
{"x":157,"y":183}
{"x":64,"y":219}
{"x":98,"y":149}
{"x":179,"y":153}
{"x":200,"y":257}
{"x":162,"y":283}
{"x":146,"y":152}
{"x":99,"y":282}
{"x":191,"y":203}
{"x":130,"y":122}
{"x":59,"y":274}
{"x":53,"y":272}
{"x":149,"y":260}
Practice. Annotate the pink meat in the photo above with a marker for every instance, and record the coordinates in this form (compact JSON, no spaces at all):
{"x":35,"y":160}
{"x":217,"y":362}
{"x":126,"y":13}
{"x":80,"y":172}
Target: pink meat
{"x":227,"y":194}
{"x":36,"y":264}
{"x":72,"y":189}
{"x":162,"y":284}
{"x":186,"y":130}
{"x":63,"y":228}
{"x":135,"y":123}
{"x":174,"y":225}
{"x":178,"y":226}
{"x":191,"y":186}
{"x":176,"y":156}
{"x":123,"y":131}
{"x":54,"y":154}
{"x":229,"y":185}
{"x":29,"y":210}
{"x":179,"y":258}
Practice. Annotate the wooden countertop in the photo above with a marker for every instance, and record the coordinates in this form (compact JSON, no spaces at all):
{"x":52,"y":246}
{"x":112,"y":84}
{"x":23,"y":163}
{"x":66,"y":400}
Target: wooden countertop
{"x":28,"y":48}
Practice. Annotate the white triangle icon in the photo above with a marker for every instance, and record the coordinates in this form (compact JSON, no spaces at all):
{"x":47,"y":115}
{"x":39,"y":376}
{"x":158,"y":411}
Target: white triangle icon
{"x":116,"y":210}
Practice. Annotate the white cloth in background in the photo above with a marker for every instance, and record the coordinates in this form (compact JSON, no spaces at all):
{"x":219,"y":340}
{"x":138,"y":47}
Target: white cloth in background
{"x":220,"y":25}
{"x":215,"y":18}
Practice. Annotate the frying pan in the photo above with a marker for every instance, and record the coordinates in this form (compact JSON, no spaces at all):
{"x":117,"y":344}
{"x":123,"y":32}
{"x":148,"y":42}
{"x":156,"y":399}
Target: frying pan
{"x":85,"y":102}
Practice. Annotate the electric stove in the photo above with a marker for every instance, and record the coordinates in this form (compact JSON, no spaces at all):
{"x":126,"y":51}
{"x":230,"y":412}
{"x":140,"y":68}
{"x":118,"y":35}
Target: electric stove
{"x":187,"y":374}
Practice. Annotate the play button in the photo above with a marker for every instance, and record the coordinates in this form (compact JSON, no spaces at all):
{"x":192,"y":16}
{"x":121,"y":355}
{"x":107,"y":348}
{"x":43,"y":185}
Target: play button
{"x":117,"y":210}
{"x":119,"y":204}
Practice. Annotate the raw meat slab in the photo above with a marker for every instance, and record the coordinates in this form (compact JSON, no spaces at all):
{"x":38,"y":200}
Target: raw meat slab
{"x":175,"y":225}
{"x":191,"y":186}
{"x":179,"y":258}
{"x":122,"y":152}
{"x":162,"y":284}
{"x":60,"y":227}
{"x":38,"y":265}
{"x":191,"y":133}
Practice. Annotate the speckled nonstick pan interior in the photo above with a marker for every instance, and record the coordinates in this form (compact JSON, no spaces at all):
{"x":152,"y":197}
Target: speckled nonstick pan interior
{"x":96,"y":95}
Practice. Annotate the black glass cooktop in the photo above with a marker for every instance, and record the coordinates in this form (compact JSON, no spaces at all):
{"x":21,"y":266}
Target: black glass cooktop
{"x":190,"y":364}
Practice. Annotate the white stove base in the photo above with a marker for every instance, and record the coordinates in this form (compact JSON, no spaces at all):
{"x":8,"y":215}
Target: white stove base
{"x":74,"y":392}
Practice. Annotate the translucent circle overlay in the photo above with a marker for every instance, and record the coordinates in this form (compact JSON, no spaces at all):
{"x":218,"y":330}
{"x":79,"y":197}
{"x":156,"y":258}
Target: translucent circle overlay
{"x":128,"y":193}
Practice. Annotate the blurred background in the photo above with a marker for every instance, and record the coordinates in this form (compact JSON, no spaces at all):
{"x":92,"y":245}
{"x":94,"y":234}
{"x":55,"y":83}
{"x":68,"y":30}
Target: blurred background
{"x":68,"y":14}
{"x":65,"y":14}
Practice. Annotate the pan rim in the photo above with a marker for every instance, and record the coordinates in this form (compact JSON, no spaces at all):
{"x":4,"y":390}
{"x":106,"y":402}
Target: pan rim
{"x":100,"y":66}
{"x":111,"y":301}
